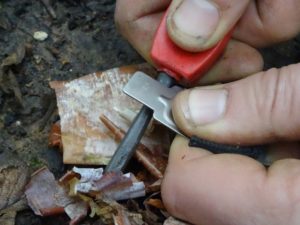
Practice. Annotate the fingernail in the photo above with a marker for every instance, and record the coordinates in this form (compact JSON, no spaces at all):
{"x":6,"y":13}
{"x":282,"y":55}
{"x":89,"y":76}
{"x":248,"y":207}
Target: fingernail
{"x":198,"y":18}
{"x":204,"y":106}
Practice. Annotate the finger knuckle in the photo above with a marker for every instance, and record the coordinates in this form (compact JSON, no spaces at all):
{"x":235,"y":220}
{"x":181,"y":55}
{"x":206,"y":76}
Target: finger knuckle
{"x":282,"y":104}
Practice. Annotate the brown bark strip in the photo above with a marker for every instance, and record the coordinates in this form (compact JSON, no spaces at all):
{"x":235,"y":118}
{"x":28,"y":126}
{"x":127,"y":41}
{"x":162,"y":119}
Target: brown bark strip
{"x":67,"y":177}
{"x":54,"y":139}
{"x":52,"y":211}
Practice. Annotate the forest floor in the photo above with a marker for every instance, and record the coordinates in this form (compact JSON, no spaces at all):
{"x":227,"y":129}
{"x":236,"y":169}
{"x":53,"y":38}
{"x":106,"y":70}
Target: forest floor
{"x":81,"y":39}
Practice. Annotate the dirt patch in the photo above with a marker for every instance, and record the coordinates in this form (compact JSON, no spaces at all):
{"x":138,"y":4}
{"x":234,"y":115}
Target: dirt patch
{"x":82,"y":39}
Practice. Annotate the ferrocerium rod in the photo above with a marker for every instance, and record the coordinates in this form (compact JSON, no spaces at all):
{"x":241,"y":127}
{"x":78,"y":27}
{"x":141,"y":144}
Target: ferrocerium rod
{"x":135,"y":133}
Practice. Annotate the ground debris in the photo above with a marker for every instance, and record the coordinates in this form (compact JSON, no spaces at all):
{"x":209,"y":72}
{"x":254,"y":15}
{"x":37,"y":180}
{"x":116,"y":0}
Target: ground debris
{"x":46,"y":197}
{"x":40,"y":35}
{"x":155,"y":202}
{"x":173,"y":221}
{"x":5,"y":22}
{"x":15,"y":58}
{"x":13,"y":177}
{"x":83,"y":40}
{"x":7,"y":215}
{"x":125,"y":218}
{"x":81,"y":190}
{"x":8,"y":81}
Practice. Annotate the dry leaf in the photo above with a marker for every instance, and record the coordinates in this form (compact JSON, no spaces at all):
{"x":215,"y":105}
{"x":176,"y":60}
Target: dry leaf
{"x":7,"y":215}
{"x":14,"y":175}
{"x":15,"y":58}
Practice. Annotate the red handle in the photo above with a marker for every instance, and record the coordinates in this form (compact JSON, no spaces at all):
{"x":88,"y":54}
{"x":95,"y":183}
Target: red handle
{"x":178,"y":63}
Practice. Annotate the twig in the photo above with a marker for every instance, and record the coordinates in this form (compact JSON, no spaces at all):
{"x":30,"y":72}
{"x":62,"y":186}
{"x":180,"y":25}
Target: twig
{"x":49,"y":8}
{"x":46,"y":117}
{"x":15,"y":87}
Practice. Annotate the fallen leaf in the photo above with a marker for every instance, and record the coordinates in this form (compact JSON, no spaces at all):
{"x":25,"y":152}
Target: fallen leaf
{"x":7,"y":215}
{"x":14,"y":175}
{"x":14,"y":58}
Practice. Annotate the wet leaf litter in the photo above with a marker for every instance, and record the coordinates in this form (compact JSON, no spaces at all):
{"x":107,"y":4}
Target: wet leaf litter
{"x":44,"y":41}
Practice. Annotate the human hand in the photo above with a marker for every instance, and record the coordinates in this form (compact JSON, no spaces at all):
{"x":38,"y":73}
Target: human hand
{"x":203,"y":188}
{"x":138,"y":21}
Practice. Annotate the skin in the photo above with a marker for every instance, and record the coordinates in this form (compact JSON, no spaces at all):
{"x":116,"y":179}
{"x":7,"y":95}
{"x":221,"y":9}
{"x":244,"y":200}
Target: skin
{"x":203,"y":188}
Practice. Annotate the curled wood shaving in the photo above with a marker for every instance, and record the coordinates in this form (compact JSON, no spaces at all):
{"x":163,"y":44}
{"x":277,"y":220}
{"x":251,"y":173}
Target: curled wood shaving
{"x":46,"y":197}
{"x":115,"y":186}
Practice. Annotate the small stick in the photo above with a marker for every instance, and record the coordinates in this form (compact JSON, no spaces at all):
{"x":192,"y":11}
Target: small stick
{"x":49,"y":8}
{"x":52,"y":211}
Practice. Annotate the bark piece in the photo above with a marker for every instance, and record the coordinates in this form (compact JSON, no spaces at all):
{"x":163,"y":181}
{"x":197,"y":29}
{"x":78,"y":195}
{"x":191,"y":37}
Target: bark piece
{"x":81,"y":101}
{"x":46,"y":197}
{"x":114,"y":186}
{"x":54,"y":139}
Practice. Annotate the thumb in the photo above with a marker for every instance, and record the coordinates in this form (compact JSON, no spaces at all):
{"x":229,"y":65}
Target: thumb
{"x":259,"y":109}
{"x":197,"y":25}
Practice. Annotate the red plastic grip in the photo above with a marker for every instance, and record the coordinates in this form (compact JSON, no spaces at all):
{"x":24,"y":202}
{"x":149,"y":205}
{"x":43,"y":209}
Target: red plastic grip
{"x":182,"y":65}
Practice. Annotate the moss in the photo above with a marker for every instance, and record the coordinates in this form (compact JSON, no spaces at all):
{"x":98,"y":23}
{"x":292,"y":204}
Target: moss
{"x":36,"y":163}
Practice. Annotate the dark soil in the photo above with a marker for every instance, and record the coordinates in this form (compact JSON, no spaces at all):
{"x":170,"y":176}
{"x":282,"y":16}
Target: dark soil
{"x":82,"y":39}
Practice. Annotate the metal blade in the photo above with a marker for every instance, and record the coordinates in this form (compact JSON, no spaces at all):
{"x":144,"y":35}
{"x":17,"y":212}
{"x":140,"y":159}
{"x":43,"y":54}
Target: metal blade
{"x":154,"y":95}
